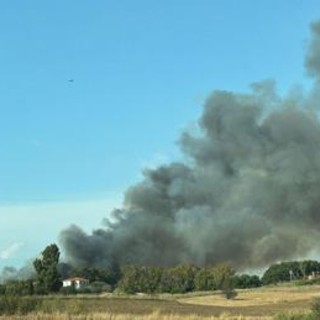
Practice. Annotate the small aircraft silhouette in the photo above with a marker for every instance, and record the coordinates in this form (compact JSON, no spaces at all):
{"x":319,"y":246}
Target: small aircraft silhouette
{"x":70,"y":80}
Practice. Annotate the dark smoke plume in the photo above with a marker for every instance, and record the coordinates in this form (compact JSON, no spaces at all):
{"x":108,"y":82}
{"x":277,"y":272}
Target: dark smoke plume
{"x":248,"y":192}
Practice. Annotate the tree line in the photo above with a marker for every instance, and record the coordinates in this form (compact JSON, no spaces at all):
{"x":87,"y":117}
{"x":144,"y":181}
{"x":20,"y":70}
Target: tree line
{"x":150,"y":279}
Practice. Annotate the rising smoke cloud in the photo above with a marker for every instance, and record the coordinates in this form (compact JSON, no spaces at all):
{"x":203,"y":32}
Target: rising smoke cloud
{"x":248,"y":191}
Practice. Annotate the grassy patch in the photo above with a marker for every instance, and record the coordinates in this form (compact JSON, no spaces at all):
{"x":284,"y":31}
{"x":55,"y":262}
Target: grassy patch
{"x":251,"y":304}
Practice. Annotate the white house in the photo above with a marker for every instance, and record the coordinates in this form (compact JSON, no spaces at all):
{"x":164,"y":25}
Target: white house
{"x":77,"y":282}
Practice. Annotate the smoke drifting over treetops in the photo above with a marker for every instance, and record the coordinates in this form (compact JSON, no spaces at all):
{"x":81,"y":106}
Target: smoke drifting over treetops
{"x":248,"y":192}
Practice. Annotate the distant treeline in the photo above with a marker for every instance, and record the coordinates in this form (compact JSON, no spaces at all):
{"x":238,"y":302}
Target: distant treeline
{"x":150,"y":279}
{"x":293,"y":270}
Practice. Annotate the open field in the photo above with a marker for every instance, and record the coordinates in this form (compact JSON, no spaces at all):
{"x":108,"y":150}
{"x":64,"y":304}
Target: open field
{"x":107,"y":316}
{"x":262,"y":304}
{"x":267,"y":299}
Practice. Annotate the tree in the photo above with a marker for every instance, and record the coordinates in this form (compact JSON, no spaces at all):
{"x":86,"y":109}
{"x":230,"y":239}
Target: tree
{"x":92,"y":274}
{"x":281,"y":272}
{"x":150,"y":279}
{"x":201,"y":280}
{"x":140,"y":279}
{"x":309,"y":267}
{"x":48,"y":278}
{"x":245,"y":281}
{"x":222,"y":275}
{"x":205,"y":279}
{"x":130,"y":279}
{"x":179,"y":279}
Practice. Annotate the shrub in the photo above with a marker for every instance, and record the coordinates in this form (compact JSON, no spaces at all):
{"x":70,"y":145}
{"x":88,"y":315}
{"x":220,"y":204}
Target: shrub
{"x":245,"y":281}
{"x":2,"y":289}
{"x":96,"y":287}
{"x":315,"y":308}
{"x":204,"y":280}
{"x":229,"y":293}
{"x":179,"y":279}
{"x":286,"y":271}
{"x":19,"y":288}
{"x":68,"y":290}
{"x":296,"y":316}
{"x":10,"y":305}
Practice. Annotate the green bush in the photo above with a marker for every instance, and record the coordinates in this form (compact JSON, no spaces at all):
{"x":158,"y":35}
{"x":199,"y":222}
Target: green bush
{"x":285,"y":316}
{"x":27,"y":305}
{"x":136,"y":279}
{"x":281,"y":272}
{"x":229,"y":293}
{"x":292,"y":270}
{"x":315,"y":308}
{"x":204,"y":280}
{"x":307,"y":282}
{"x":10,"y":305}
{"x":68,"y":290}
{"x":245,"y":281}
{"x":2,"y":289}
{"x":179,"y":279}
{"x":96,"y":287}
{"x":19,"y":288}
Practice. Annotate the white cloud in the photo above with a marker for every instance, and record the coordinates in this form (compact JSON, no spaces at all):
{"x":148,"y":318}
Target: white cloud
{"x":36,"y":225}
{"x":11,"y":251}
{"x":52,"y":215}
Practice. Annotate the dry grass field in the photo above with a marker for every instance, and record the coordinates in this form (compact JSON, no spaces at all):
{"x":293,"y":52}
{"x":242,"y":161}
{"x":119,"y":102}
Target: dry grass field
{"x":255,"y":304}
{"x":108,"y":316}
{"x":270,"y":300}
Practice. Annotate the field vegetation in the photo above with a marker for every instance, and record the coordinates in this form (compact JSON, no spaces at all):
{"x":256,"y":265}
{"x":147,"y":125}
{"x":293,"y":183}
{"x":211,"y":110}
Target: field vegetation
{"x":148,"y":292}
{"x":276,"y":303}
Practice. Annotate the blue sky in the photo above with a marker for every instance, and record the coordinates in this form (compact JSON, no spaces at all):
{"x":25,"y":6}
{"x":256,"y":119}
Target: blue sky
{"x":140,"y":71}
